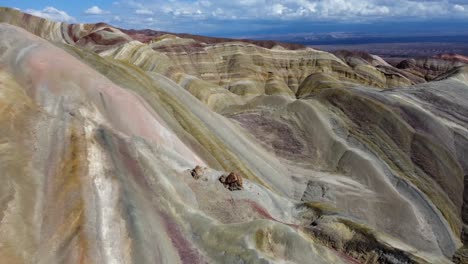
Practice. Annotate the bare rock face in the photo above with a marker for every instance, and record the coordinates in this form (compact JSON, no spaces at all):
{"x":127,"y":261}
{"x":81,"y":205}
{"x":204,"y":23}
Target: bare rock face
{"x":452,"y":57}
{"x":197,"y":172}
{"x":97,"y":131}
{"x":148,"y":35}
{"x":222,"y":72}
{"x":233,"y":181}
{"x":431,"y":68}
{"x":247,"y":70}
{"x":96,"y":37}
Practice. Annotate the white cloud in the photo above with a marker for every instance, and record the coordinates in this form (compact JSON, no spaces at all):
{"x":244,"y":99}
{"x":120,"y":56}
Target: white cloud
{"x":177,"y":14}
{"x":143,"y":12}
{"x":205,"y":3}
{"x":95,"y":10}
{"x":218,"y":12}
{"x":317,"y":10}
{"x":51,"y":13}
{"x":278,"y":9}
{"x":459,"y":8}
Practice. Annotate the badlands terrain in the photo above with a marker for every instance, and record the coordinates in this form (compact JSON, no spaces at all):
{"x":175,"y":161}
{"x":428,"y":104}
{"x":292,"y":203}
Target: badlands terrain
{"x":303,"y":156}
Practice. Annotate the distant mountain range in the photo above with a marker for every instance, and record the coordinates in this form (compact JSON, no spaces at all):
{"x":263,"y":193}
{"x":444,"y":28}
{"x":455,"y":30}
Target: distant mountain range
{"x":336,"y":38}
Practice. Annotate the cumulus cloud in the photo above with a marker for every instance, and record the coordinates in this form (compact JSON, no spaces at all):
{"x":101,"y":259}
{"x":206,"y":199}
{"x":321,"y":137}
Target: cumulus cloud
{"x":459,"y":8}
{"x":143,"y":12}
{"x":95,"y":10}
{"x":51,"y":13}
{"x":185,"y":15}
{"x":278,"y":9}
{"x":299,"y":9}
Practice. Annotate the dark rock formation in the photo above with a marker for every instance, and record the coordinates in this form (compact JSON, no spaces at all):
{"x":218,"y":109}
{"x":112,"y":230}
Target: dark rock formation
{"x":233,"y":181}
{"x":197,"y":172}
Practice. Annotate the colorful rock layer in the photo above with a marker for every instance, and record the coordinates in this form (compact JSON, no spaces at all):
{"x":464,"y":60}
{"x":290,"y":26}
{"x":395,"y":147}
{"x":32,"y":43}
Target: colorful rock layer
{"x":343,"y":158}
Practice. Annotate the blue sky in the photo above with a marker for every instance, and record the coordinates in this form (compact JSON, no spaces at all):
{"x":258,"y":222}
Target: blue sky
{"x":259,"y":17}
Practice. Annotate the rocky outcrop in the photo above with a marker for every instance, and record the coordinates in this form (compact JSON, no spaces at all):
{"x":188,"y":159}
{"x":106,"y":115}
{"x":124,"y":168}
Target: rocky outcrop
{"x":148,"y":35}
{"x":96,"y":37}
{"x":431,"y":68}
{"x":248,"y":70}
{"x":233,"y":181}
{"x":393,"y":77}
{"x":452,"y":57}
{"x":197,"y":172}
